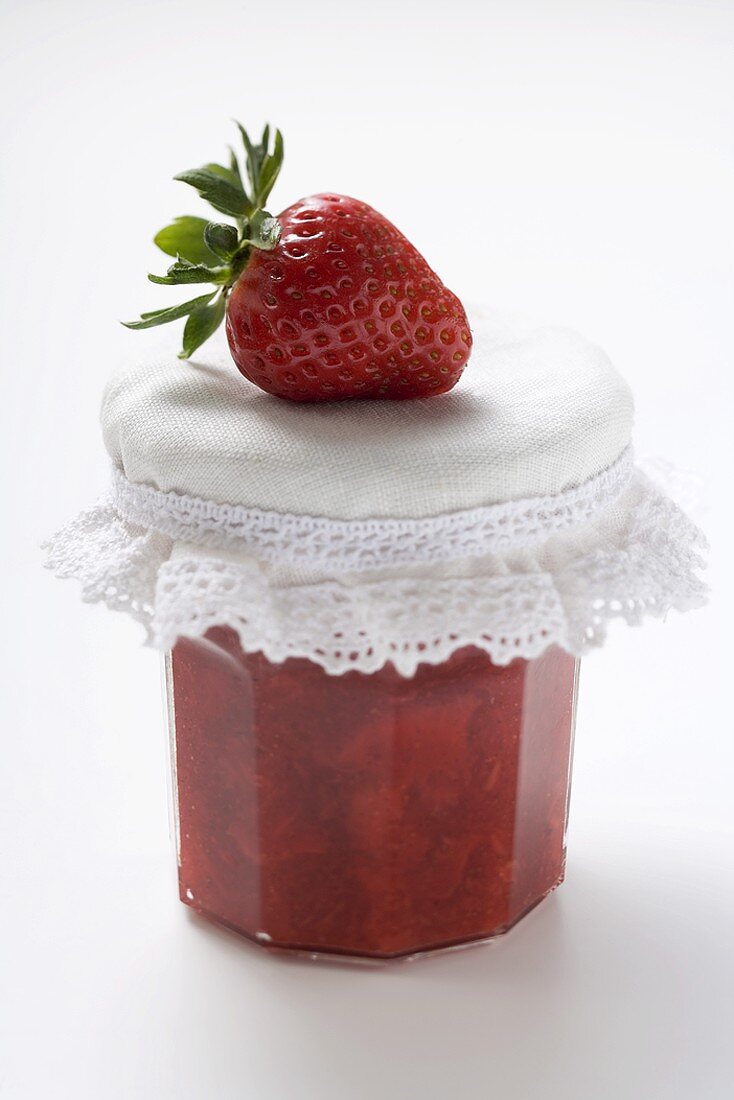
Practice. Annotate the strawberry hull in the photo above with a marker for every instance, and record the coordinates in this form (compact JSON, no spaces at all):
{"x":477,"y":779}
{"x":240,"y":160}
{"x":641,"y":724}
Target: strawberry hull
{"x":345,"y":307}
{"x":368,"y":814}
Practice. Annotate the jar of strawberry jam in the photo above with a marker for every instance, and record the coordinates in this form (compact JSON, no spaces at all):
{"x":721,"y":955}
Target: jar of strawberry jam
{"x":371,"y":813}
{"x":372,"y":615}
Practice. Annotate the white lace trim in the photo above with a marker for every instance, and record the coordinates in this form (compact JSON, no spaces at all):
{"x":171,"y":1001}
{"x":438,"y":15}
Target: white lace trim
{"x":640,"y":557}
{"x":357,"y":545}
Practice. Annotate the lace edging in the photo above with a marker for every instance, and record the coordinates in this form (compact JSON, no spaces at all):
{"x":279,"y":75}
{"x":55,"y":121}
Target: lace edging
{"x":565,"y":593}
{"x":341,"y":546}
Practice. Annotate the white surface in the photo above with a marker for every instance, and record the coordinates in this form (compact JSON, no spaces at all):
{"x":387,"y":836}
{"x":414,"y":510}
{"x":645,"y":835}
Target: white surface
{"x":593,"y":144}
{"x":542,"y":410}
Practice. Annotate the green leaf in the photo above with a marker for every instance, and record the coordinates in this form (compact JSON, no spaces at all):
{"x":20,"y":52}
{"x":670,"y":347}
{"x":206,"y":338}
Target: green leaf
{"x":234,"y":165}
{"x":263,"y":231}
{"x":226,"y":174}
{"x":185,"y":237}
{"x":202,"y":322}
{"x":262,"y":166}
{"x":184,"y":272}
{"x":253,"y":157}
{"x":222,"y":239}
{"x":220,"y":192}
{"x":270,"y":171}
{"x":173,"y":313}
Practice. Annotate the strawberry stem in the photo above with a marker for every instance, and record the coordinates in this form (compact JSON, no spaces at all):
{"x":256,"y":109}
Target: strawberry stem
{"x":218,"y":252}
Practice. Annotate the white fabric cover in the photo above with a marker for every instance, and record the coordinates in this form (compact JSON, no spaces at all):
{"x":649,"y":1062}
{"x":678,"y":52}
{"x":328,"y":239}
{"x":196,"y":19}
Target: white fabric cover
{"x":507,"y":515}
{"x":538,"y":410}
{"x":349,"y":546}
{"x":637,"y":556}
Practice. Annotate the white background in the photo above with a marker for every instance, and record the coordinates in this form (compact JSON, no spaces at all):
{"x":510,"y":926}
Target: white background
{"x":570,"y":160}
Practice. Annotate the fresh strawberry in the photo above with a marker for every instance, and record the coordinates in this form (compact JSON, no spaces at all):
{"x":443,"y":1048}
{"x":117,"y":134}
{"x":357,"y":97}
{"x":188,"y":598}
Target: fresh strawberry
{"x":325,"y":302}
{"x":345,"y":306}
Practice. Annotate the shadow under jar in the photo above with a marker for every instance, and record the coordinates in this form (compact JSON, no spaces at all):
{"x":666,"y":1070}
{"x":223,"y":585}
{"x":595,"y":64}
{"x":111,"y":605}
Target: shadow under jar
{"x":368,"y":814}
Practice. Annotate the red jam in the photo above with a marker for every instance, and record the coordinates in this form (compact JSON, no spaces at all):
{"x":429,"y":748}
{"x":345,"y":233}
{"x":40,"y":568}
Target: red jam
{"x":369,"y":815}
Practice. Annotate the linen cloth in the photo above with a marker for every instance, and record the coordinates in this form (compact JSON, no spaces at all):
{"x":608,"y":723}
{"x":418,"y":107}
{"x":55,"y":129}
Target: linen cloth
{"x":538,"y":410}
{"x":506,"y":515}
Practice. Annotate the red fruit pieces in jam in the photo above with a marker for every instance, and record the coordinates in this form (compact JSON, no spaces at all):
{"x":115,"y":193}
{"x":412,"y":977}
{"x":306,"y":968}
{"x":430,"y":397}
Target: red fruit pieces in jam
{"x":369,"y":814}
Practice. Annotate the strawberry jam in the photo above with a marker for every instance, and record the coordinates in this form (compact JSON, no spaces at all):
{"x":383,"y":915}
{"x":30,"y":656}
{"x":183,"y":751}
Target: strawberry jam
{"x":368,"y":814}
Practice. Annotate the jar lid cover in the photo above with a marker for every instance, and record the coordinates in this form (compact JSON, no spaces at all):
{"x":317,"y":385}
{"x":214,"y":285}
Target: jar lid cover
{"x":538,"y":411}
{"x":507,"y":515}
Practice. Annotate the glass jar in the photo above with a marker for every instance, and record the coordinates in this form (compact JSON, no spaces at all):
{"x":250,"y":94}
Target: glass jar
{"x":370,"y":815}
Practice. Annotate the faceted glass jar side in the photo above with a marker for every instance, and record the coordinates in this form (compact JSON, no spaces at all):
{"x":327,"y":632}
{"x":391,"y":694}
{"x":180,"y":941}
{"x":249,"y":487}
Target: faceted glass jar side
{"x":368,"y":814}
